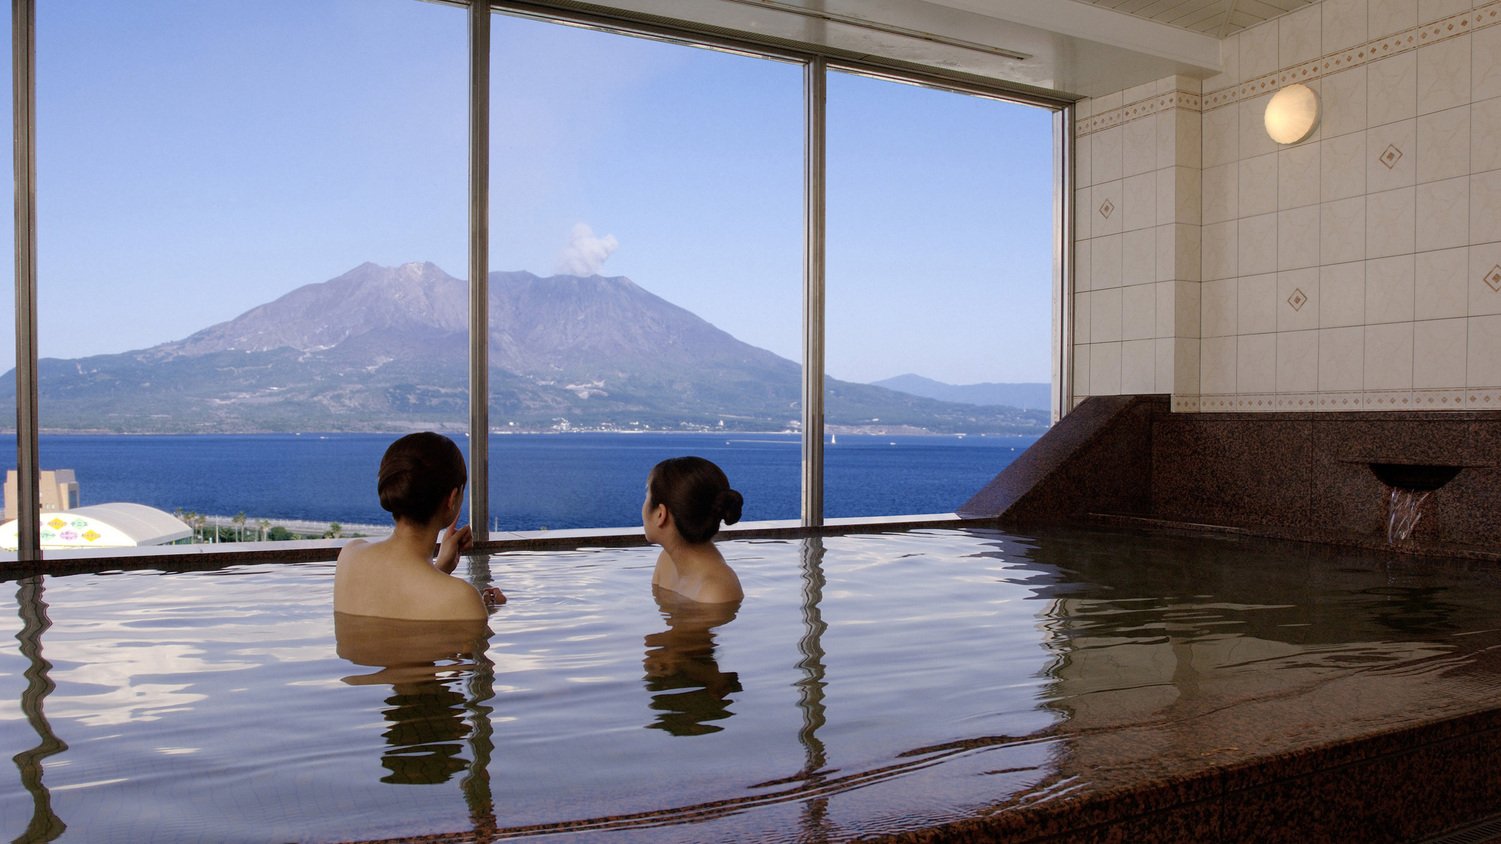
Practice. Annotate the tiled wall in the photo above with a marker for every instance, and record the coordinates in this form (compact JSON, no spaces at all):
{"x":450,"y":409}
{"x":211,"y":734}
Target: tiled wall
{"x":1358,"y":269}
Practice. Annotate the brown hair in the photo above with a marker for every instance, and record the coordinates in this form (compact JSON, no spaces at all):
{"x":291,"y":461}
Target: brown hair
{"x":697,"y":494}
{"x":417,"y":473}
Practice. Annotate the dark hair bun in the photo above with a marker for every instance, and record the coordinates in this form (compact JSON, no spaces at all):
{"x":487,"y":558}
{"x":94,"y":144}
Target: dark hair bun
{"x":728,"y":504}
{"x":418,"y":473}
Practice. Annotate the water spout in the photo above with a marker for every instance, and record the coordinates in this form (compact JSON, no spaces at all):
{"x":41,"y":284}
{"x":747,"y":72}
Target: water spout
{"x":1404,"y":508}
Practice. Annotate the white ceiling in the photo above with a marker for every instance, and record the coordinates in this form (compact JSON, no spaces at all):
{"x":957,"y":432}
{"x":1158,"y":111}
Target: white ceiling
{"x":1218,"y":18}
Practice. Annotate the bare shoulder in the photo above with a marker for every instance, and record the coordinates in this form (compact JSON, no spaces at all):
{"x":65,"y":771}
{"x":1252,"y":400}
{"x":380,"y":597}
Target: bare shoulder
{"x":723,"y":588}
{"x":352,"y":549}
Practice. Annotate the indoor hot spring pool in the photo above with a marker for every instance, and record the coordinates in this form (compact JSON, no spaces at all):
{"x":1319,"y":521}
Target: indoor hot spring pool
{"x":964,"y":684}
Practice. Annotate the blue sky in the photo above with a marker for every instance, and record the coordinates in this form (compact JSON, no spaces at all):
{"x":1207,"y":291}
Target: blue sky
{"x":199,"y":158}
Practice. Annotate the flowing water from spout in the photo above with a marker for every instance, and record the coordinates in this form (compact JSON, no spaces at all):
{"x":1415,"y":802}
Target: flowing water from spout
{"x":1404,"y":509}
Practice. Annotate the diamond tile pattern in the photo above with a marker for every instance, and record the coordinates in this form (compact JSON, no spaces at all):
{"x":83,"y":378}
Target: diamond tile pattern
{"x":1106,"y":209}
{"x":1213,"y":17}
{"x":1493,"y":278}
{"x":1297,"y":300}
{"x":1391,"y":156}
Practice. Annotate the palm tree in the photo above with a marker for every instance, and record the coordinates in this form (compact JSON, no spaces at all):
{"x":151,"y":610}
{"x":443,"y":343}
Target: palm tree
{"x":239,"y":521}
{"x":335,"y":528}
{"x":263,"y":525}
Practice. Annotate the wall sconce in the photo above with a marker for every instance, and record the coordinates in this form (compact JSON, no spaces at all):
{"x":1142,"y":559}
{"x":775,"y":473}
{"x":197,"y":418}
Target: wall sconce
{"x":1292,"y":114}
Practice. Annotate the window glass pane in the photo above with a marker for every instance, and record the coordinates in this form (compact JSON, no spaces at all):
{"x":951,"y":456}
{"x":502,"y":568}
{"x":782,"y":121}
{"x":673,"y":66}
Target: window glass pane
{"x":252,"y":228}
{"x":645,"y":256}
{"x":939,"y":274}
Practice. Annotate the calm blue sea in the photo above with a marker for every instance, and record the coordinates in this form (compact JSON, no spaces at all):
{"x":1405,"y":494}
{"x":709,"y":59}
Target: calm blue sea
{"x":536,"y":480}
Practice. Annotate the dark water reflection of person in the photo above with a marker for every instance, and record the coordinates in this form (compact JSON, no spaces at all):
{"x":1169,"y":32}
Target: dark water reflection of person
{"x":428,"y":665}
{"x":688,"y":690}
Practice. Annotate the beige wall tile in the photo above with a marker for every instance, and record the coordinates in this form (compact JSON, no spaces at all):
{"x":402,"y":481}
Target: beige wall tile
{"x":1083,"y":265}
{"x":1139,"y":257}
{"x":1391,"y":156}
{"x":1342,"y":230}
{"x":1220,"y":250}
{"x":1256,"y":363}
{"x":1443,"y":214}
{"x":1440,"y":284}
{"x":1081,"y":370}
{"x":1391,"y":223}
{"x":1139,"y":146}
{"x":1105,"y":369}
{"x":1187,"y":187}
{"x":1300,"y":36}
{"x":1256,"y":304}
{"x":1139,"y":312}
{"x":1485,"y":130}
{"x":1081,"y":318}
{"x":1392,"y":89}
{"x":1341,"y":358}
{"x":1483,"y":278}
{"x":1217,"y":365}
{"x":1485,"y":207}
{"x":1219,"y":299}
{"x":1258,"y":244}
{"x":1221,"y":129}
{"x":1343,"y":102}
{"x":1443,"y":145}
{"x":1298,"y":238}
{"x":1177,"y":253}
{"x":1163,"y":379}
{"x":1105,"y":316}
{"x":1388,"y":356}
{"x":1187,"y":140}
{"x":1297,"y":361}
{"x":1444,"y":74}
{"x":1258,"y":185}
{"x":1342,"y":166}
{"x":1298,"y":299}
{"x":1432,"y":10}
{"x":1344,"y":24}
{"x":1138,"y":367}
{"x":1139,"y":202}
{"x":1484,"y":346}
{"x":1186,"y":310}
{"x":1083,"y":213}
{"x":1341,"y":295}
{"x":1106,"y":159}
{"x":1105,"y":262}
{"x":1253,"y":137}
{"x":1083,"y":151}
{"x":1391,"y":16}
{"x":1106,"y":199}
{"x":1389,"y":289}
{"x":1298,"y":175}
{"x":1186,"y":366}
{"x":1438,"y":353}
{"x":1485,"y":63}
{"x":1258,"y":51}
{"x":1221,"y":193}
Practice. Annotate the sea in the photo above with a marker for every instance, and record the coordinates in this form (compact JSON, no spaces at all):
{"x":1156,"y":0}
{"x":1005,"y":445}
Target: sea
{"x":554,"y":481}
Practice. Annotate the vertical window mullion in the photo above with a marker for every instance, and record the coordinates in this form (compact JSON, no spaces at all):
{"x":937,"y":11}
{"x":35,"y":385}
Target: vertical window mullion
{"x":815,"y":89}
{"x":28,"y":471}
{"x":479,"y":269}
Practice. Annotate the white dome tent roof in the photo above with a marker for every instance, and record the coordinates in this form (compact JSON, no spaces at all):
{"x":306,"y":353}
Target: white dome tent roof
{"x":116,"y":525}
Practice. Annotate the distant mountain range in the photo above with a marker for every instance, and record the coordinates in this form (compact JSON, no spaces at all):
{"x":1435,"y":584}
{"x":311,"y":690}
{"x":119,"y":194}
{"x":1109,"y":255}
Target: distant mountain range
{"x":1035,"y":396}
{"x":386,"y":349}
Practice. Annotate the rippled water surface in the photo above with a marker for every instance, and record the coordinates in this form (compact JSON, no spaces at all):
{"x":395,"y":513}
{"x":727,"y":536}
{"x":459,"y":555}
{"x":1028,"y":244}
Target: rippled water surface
{"x":867,"y":683}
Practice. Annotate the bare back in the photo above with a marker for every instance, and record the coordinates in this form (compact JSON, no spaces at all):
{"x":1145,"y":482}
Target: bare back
{"x":386,"y":580}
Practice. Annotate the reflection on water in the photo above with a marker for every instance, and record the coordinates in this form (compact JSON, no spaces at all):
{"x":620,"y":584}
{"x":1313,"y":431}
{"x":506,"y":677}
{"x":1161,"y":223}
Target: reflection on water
{"x":45,"y":825}
{"x":440,"y":681}
{"x":688,"y":689}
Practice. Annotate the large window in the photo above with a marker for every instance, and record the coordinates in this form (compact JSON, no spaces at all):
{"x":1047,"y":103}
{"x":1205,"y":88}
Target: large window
{"x":939,"y":288}
{"x":251,"y":251}
{"x":646,"y":272}
{"x":254,"y":226}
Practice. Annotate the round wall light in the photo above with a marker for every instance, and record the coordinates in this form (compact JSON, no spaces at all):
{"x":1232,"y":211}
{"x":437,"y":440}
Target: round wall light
{"x":1292,"y":114}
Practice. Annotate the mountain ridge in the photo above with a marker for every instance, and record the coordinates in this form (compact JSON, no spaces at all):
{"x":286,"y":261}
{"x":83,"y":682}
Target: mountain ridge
{"x":386,"y":348}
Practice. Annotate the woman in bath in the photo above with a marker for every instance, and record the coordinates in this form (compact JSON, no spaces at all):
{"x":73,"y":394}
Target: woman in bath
{"x":421,"y":483}
{"x":686,"y":499}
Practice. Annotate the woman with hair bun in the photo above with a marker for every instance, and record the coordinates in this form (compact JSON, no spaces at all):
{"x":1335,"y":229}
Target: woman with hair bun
{"x":686,"y":499}
{"x":421,"y":483}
